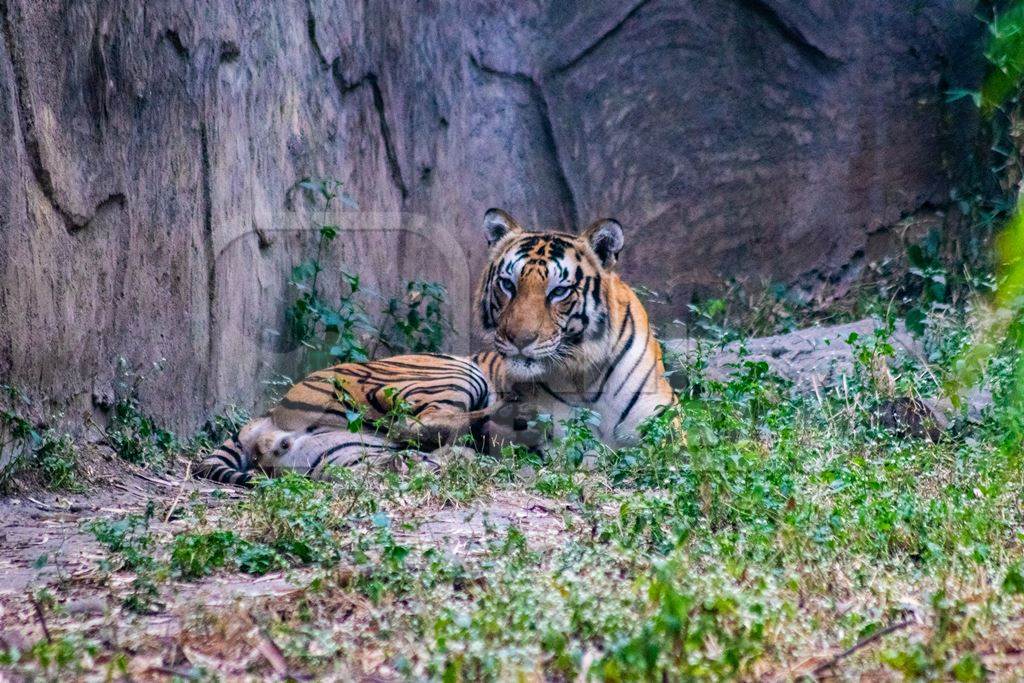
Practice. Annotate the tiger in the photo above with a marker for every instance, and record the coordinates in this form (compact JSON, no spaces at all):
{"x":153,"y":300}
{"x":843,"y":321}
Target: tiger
{"x":398,"y":406}
{"x":572,"y":334}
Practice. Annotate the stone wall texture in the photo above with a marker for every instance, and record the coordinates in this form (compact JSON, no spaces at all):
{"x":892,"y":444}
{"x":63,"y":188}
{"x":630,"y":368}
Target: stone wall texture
{"x":151,"y":150}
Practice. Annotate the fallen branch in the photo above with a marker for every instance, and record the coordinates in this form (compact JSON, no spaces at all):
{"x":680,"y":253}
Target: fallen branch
{"x":40,"y":616}
{"x":171,"y":671}
{"x":271,"y":652}
{"x":266,"y":646}
{"x":159,"y":482}
{"x":863,"y":642}
{"x":181,"y":490}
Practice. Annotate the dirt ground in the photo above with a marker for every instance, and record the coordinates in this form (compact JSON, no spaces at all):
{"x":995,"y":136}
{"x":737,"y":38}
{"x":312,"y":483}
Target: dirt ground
{"x":43,"y":544}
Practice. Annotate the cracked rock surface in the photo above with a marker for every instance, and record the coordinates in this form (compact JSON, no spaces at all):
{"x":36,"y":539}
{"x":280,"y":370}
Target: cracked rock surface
{"x":148,"y":198}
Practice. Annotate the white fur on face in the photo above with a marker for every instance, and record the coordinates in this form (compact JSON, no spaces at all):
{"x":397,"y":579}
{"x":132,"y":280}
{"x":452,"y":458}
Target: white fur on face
{"x":521,"y":369}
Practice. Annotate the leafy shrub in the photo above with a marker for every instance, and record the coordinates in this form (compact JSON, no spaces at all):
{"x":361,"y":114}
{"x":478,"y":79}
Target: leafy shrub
{"x":343,"y":328}
{"x":131,"y":544}
{"x":135,"y":437}
{"x":416,"y":322}
{"x":44,"y":451}
{"x":194,"y":555}
{"x":58,"y":466}
{"x":132,"y":433}
{"x":300,"y":518}
{"x":692,"y":633}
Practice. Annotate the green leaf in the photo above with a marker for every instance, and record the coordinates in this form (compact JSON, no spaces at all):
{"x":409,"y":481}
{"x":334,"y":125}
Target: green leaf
{"x":304,"y":271}
{"x":915,"y":321}
{"x":397,"y":553}
{"x":969,"y":668}
{"x":1013,"y":584}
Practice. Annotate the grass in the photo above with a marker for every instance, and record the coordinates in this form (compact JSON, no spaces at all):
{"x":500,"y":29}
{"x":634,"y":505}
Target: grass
{"x":753,"y":532}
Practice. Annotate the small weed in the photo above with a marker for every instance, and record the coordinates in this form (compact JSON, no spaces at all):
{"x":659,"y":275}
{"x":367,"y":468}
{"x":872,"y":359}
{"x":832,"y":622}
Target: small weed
{"x":58,"y":466}
{"x":135,"y":437}
{"x":935,"y":657}
{"x":31,"y":449}
{"x":132,"y":433}
{"x":337,"y":328}
{"x":131,"y":544}
{"x":578,"y":440}
{"x":68,"y":655}
{"x":343,"y":328}
{"x":216,"y":430}
{"x":194,"y":555}
{"x":301,"y":518}
{"x":416,"y":322}
{"x":707,"y":632}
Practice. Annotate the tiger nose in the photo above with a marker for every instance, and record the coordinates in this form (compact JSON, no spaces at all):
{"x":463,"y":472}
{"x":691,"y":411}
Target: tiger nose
{"x":524,"y":339}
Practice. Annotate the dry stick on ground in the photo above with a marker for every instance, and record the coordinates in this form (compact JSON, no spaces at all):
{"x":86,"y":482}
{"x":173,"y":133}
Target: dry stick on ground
{"x":272,"y":653}
{"x":40,"y":616}
{"x":863,"y":642}
{"x":171,"y":671}
{"x":159,"y":482}
{"x":269,"y":649}
{"x":181,"y":490}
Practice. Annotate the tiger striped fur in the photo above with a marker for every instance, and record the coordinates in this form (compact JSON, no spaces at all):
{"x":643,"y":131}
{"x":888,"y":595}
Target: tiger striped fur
{"x":437,"y":398}
{"x":571,"y":332}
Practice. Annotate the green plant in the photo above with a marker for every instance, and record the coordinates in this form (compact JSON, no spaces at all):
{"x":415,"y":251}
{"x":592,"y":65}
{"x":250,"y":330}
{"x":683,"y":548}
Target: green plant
{"x":935,"y":657}
{"x":337,"y":328}
{"x":55,"y":456}
{"x":708,"y":318}
{"x":68,"y":655}
{"x":135,"y":437}
{"x":217,"y":429}
{"x":17,"y":433}
{"x":194,"y":555}
{"x":343,"y":328}
{"x":578,"y":439}
{"x":299,"y":518}
{"x":416,"y":322}
{"x":691,"y":634}
{"x":29,"y":448}
{"x":130,"y":544}
{"x":132,"y":433}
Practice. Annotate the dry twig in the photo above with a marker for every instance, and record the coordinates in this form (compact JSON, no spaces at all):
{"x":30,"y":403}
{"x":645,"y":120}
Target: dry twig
{"x":181,"y":490}
{"x":266,"y":646}
{"x":271,"y":652}
{"x":171,"y":671}
{"x":863,"y":642}
{"x":40,"y":616}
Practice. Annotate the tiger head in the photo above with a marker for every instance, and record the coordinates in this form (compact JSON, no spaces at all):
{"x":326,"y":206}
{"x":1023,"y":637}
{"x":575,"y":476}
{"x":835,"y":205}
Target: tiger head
{"x":543,"y":298}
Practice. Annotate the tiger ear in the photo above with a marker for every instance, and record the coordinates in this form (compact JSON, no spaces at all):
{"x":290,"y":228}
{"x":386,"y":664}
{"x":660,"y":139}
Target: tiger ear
{"x":605,"y":238}
{"x":497,"y":224}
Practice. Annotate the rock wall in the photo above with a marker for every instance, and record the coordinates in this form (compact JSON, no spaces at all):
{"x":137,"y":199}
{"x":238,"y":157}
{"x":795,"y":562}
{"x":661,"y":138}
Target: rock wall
{"x":148,"y":198}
